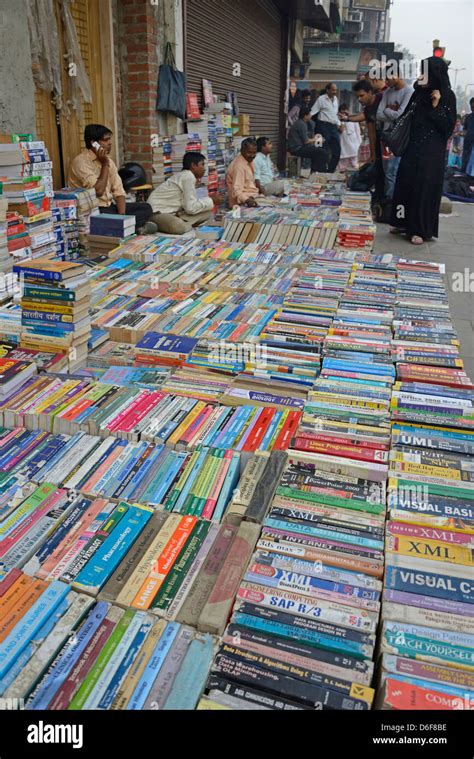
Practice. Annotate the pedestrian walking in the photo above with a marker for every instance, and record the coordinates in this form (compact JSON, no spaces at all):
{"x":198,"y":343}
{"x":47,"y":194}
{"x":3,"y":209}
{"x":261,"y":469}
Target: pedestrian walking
{"x":419,"y":185}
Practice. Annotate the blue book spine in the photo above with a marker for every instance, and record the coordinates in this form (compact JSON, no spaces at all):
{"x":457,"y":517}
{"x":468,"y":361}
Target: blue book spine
{"x":56,"y":330}
{"x":303,"y":529}
{"x":109,"y":695}
{"x":55,"y":539}
{"x":32,"y":647}
{"x":70,"y":655}
{"x":104,"y":562}
{"x":435,"y":433}
{"x":215,"y":429}
{"x":62,"y":452}
{"x":179,"y":505}
{"x":153,"y":667}
{"x":328,"y":642}
{"x":310,"y":582}
{"x":140,"y":475}
{"x":14,"y":448}
{"x":116,"y":444}
{"x":435,"y":506}
{"x":46,"y":276}
{"x":227,"y":435}
{"x":158,"y":474}
{"x":167,"y":482}
{"x":30,"y":623}
{"x":430,"y":584}
{"x":415,"y":647}
{"x":159,"y":468}
{"x":160,"y":455}
{"x":191,"y":678}
{"x":230,"y":483}
{"x":102,"y":486}
{"x":272,"y":427}
{"x":135,"y":455}
{"x":40,"y":457}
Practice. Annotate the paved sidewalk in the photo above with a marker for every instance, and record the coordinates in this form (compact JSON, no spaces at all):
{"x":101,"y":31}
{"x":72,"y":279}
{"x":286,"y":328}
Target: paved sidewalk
{"x":455,"y":249}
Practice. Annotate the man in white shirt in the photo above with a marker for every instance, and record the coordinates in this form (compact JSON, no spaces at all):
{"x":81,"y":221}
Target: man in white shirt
{"x":176,"y":205}
{"x":328,"y":123}
{"x":394,"y":102}
{"x":265,"y":175}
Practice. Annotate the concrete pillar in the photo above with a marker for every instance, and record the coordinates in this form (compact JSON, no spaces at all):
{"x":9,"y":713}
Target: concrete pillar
{"x":17,"y":91}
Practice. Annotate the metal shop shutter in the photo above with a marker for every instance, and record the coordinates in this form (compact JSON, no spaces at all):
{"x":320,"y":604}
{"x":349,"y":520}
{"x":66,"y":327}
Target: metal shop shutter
{"x":220,"y":33}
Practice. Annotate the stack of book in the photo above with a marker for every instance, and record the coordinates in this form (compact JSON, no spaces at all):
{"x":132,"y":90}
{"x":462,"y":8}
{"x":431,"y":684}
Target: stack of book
{"x":5,"y":261}
{"x":162,"y":167}
{"x":27,"y":198}
{"x":219,"y":116}
{"x":427,"y":635}
{"x":55,"y":308}
{"x":109,"y":231}
{"x":38,"y":164}
{"x":113,"y":225}
{"x":66,"y":229}
{"x":12,"y":159}
{"x":18,"y":239}
{"x":87,"y":206}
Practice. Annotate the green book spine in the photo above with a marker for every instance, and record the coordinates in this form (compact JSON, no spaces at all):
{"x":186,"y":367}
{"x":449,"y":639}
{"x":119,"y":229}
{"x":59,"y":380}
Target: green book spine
{"x":103,"y":659}
{"x":167,"y":592}
{"x":344,"y":503}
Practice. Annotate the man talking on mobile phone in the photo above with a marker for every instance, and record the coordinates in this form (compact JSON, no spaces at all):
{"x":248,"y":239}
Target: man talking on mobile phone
{"x":94,"y":169}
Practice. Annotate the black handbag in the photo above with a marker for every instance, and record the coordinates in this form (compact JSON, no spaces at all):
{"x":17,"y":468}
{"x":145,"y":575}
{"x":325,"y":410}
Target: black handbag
{"x":171,"y":87}
{"x":397,"y":136}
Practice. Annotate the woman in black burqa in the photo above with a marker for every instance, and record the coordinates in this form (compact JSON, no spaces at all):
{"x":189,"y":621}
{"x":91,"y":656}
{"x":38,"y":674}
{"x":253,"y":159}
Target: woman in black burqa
{"x":419,"y":186}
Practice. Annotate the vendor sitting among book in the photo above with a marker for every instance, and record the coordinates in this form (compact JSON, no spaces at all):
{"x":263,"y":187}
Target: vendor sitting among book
{"x":241,"y":184}
{"x":266,"y":177}
{"x":176,"y":205}
{"x":93,"y":168}
{"x":303,"y":143}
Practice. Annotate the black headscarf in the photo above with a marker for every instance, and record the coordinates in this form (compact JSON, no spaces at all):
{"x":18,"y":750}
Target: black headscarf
{"x":438,"y":79}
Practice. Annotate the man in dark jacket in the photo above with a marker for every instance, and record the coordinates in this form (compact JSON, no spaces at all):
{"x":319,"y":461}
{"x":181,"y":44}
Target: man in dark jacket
{"x":303,"y":144}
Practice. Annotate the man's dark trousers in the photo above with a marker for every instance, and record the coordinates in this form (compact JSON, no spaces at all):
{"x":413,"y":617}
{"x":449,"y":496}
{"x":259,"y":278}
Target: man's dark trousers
{"x":333,"y":142}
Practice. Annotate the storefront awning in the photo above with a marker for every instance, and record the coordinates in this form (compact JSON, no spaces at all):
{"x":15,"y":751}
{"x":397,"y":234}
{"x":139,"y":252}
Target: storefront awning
{"x":322,"y":15}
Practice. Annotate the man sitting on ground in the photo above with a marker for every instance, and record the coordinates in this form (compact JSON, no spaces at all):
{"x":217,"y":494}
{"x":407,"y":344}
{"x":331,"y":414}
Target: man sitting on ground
{"x":302,"y":142}
{"x":241,"y":185}
{"x":94,"y":169}
{"x":265,"y":174}
{"x":176,"y":205}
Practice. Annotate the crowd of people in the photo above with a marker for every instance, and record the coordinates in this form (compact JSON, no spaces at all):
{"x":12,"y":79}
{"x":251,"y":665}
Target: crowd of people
{"x":328,"y":137}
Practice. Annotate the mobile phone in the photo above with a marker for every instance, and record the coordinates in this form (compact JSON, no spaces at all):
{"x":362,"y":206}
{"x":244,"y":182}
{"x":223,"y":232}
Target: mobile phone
{"x":96,"y":145}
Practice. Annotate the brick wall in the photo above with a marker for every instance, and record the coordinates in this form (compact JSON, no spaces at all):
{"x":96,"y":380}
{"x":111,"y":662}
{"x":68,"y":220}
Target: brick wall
{"x":139,"y":53}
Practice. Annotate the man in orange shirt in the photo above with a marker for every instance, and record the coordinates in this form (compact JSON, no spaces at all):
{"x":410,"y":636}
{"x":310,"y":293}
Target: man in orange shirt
{"x":93,"y":169}
{"x":241,"y":185}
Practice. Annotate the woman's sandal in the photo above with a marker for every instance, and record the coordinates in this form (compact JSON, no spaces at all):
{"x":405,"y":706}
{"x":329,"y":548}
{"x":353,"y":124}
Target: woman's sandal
{"x":397,"y":231}
{"x":416,"y":240}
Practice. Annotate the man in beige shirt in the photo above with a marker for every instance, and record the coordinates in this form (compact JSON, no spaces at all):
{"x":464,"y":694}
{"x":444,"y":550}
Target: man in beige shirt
{"x":241,"y":185}
{"x":94,"y":169}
